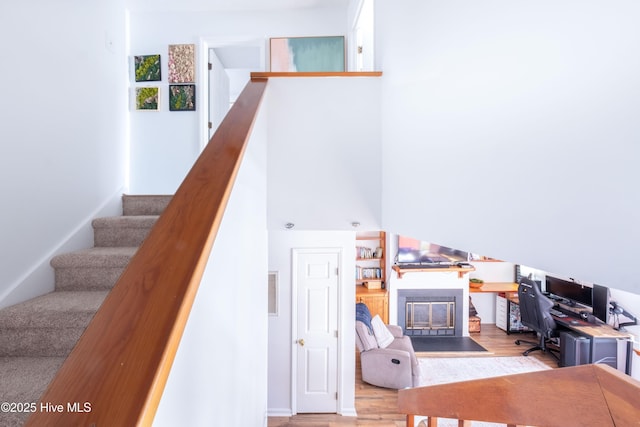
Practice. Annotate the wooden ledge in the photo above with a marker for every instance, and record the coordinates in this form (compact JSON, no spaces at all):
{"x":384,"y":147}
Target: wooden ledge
{"x":267,"y":75}
{"x":460,"y":270}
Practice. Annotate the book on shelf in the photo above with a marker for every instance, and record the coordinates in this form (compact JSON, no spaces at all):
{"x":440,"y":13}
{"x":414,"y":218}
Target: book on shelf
{"x":363,"y":252}
{"x":368,"y":273}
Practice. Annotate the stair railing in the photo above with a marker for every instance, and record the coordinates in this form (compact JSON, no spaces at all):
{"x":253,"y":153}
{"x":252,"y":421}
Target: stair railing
{"x":585,"y":395}
{"x":121,"y":363}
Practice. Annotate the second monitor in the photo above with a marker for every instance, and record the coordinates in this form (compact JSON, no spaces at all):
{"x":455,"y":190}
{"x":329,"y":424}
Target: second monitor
{"x":571,"y":292}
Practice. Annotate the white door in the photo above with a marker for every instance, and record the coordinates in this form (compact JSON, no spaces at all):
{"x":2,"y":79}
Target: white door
{"x":316,"y":342}
{"x":231,"y":63}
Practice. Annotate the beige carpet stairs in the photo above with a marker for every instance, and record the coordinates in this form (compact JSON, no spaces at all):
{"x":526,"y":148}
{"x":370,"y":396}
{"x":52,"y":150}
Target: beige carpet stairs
{"x":37,"y":335}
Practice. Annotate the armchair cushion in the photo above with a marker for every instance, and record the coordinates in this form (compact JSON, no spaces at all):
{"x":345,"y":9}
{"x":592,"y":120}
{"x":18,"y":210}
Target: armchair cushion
{"x":395,"y":330}
{"x":382,"y":334}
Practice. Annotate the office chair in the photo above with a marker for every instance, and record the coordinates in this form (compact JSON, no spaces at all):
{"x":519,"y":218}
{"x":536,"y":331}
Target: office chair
{"x":534,"y":314}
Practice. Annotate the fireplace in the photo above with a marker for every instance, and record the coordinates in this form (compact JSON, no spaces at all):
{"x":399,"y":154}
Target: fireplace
{"x":430,"y":312}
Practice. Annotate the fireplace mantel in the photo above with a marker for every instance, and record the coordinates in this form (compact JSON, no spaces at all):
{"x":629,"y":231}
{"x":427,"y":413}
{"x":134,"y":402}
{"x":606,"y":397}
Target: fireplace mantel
{"x":453,"y":268}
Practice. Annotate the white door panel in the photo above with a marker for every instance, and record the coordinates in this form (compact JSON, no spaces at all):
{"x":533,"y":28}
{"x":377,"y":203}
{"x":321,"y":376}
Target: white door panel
{"x":317,"y":325}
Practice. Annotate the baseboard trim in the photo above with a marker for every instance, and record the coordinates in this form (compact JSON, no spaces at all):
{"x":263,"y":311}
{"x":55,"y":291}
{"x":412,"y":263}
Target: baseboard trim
{"x":349,"y":412}
{"x":39,"y":280}
{"x":279,"y":412}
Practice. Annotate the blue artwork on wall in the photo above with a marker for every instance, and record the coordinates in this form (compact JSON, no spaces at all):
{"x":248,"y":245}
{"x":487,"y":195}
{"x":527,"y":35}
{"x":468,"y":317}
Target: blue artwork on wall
{"x":308,"y":54}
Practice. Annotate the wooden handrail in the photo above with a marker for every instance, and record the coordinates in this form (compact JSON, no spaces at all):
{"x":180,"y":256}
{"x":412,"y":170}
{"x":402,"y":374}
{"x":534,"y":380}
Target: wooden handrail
{"x":267,"y":74}
{"x":585,"y":395}
{"x":121,"y":363}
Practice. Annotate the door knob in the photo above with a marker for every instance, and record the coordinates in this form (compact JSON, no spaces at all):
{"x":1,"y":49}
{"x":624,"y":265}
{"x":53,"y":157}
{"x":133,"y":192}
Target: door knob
{"x":301,"y":342}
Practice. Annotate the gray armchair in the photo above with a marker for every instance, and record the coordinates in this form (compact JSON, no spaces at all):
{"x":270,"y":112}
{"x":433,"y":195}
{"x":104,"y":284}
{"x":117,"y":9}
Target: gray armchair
{"x":395,"y":366}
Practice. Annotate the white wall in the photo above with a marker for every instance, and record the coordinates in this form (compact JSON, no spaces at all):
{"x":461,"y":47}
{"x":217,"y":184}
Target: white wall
{"x":509,"y":129}
{"x":281,"y":243}
{"x":219,"y":376}
{"x":323,"y":173}
{"x":63,"y":155}
{"x":165,"y":144}
{"x":324,"y":153}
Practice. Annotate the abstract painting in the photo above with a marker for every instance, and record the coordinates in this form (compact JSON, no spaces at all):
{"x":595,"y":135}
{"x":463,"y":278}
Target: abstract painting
{"x":147,"y":68}
{"x":182,"y":63}
{"x":182,"y":97}
{"x":148,"y":98}
{"x":307,"y":54}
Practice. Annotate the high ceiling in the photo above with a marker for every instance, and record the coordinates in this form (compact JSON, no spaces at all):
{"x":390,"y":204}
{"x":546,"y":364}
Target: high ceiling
{"x":230,"y":5}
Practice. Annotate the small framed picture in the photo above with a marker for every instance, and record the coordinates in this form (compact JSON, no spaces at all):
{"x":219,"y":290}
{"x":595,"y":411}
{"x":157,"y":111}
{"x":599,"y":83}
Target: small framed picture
{"x":148,"y":98}
{"x":182,"y":63}
{"x":182,"y":97}
{"x":147,"y":68}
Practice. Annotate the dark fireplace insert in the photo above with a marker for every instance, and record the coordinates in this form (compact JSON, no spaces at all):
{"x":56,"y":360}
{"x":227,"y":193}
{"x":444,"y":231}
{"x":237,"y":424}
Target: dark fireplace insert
{"x":430,"y":312}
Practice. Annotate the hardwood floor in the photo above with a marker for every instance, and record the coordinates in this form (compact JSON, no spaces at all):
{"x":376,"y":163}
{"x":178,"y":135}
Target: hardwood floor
{"x":377,"y":406}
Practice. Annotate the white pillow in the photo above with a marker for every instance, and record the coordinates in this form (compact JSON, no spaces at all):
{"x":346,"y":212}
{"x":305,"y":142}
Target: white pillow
{"x":382,"y":334}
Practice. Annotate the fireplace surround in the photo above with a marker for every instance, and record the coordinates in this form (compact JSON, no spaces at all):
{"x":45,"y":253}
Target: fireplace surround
{"x":431,"y":312}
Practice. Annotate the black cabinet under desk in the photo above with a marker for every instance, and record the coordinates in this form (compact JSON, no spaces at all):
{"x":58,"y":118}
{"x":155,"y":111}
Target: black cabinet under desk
{"x":582,"y":342}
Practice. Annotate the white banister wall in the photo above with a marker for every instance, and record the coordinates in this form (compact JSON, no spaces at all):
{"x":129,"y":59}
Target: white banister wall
{"x":219,"y":376}
{"x":323,"y":174}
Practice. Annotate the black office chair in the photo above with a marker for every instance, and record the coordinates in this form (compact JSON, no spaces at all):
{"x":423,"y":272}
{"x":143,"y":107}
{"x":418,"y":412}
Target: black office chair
{"x":534,"y":314}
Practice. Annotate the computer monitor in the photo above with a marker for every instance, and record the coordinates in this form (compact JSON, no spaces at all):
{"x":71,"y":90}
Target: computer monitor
{"x":601,"y":300}
{"x":572,"y":292}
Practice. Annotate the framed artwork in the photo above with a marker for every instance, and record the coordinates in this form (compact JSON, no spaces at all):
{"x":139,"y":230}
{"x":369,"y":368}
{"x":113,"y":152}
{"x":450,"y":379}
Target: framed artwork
{"x":148,"y":98}
{"x":182,"y":97}
{"x":307,"y":54}
{"x":147,"y":68}
{"x":182,"y":63}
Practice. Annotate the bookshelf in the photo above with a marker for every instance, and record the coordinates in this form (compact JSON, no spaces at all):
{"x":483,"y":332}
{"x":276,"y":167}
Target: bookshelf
{"x":370,"y":259}
{"x":370,"y":274}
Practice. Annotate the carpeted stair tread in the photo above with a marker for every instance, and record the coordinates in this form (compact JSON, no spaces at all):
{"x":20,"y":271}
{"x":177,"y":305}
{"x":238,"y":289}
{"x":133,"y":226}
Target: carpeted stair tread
{"x":49,"y":325}
{"x":131,"y":221}
{"x":37,"y":335}
{"x":55,"y":309}
{"x":95,"y":257}
{"x":24,"y":379}
{"x":122,"y":230}
{"x":144,"y":204}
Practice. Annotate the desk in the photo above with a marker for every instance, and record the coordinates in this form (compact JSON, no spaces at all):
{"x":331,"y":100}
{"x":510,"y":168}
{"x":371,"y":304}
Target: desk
{"x":496,"y":287}
{"x":605,"y":344}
